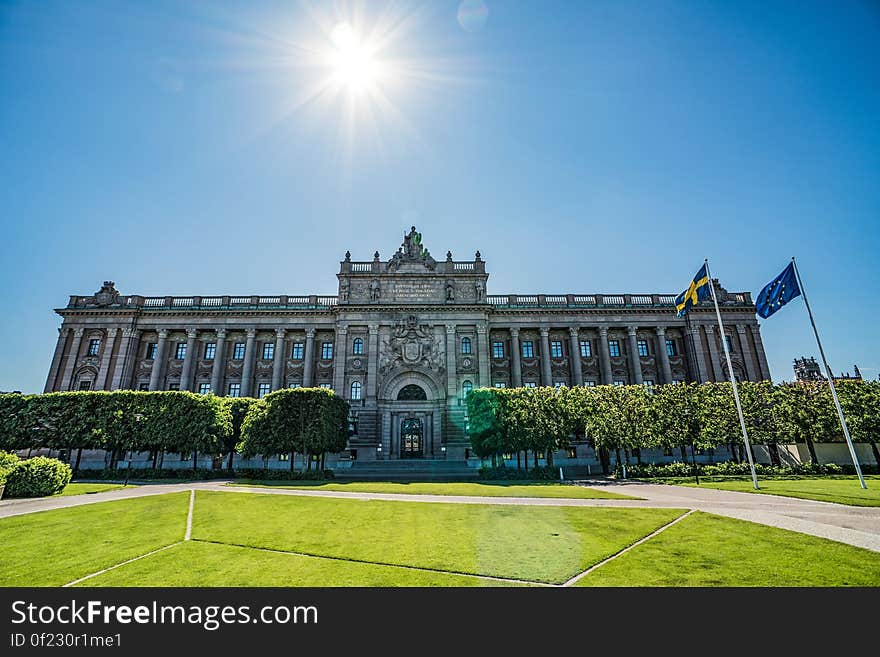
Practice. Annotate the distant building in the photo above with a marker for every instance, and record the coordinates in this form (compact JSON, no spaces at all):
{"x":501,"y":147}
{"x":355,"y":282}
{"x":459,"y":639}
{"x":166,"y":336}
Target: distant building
{"x":807,"y":369}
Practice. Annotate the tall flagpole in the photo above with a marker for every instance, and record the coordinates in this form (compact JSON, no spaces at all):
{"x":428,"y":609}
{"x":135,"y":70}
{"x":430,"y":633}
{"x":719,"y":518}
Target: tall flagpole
{"x":739,"y":410}
{"x":849,"y":443}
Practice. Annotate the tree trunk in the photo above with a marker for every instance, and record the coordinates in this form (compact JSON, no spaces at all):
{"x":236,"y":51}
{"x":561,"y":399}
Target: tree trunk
{"x":519,"y":463}
{"x":550,"y":458}
{"x":773,"y":448}
{"x":684,"y":454}
{"x":161,"y":458}
{"x":626,"y":455}
{"x":323,"y":461}
{"x":876,"y":453}
{"x":617,"y":454}
{"x":535,"y":453}
{"x":155,"y":458}
{"x":732,"y":449}
{"x":812,"y":448}
{"x":195,"y":460}
{"x":79,"y":453}
{"x":229,"y":464}
{"x":604,"y":459}
{"x":292,"y":459}
{"x":639,"y":456}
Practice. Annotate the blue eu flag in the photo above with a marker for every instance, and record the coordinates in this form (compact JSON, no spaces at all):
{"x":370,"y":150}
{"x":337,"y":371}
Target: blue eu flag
{"x":778,"y":292}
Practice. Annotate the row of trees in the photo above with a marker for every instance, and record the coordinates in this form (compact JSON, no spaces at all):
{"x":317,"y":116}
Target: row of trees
{"x":312,"y":421}
{"x":631,"y":418}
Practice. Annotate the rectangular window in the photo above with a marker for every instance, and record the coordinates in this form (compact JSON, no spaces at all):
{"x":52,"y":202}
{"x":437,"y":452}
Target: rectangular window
{"x":295,"y":385}
{"x":556,"y":348}
{"x":174,"y":386}
{"x":619,"y":382}
{"x":151,"y":351}
{"x":144,"y":386}
{"x":465,"y":345}
{"x":729,"y":346}
{"x":670,"y":347}
{"x":530,"y":384}
{"x":590,"y":384}
{"x":284,"y":457}
{"x":497,"y":350}
{"x":85,"y":385}
{"x":326,"y":386}
{"x":204,"y":388}
{"x":649,"y":385}
{"x":268,"y":351}
{"x":614,"y":347}
{"x":210,"y":350}
{"x":528,"y":349}
{"x":326,"y":351}
{"x":559,"y":384}
{"x":238,"y":350}
{"x":296,"y":353}
{"x":94,"y":347}
{"x":500,"y":384}
{"x":263,"y":390}
{"x":643,"y":347}
{"x":572,"y":453}
{"x":235,"y":390}
{"x":586,"y":349}
{"x":180,"y":352}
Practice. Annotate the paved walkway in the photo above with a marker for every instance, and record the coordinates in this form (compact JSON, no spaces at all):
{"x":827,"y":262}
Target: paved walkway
{"x":859,"y":526}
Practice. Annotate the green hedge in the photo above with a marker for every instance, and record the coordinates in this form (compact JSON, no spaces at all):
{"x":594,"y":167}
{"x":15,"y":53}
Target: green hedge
{"x":8,"y":461}
{"x":150,"y":474}
{"x":502,"y":473}
{"x":730,"y":468}
{"x":37,"y":477}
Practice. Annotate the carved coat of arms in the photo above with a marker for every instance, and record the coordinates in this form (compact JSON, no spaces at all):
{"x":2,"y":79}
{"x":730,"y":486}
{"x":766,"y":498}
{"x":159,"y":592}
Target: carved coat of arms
{"x":412,"y":345}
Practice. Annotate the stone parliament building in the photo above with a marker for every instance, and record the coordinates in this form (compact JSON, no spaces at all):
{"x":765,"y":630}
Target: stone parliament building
{"x":403,"y":341}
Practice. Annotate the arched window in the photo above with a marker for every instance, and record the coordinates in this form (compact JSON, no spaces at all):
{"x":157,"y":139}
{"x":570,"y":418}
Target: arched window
{"x":412,"y":392}
{"x":465,"y":345}
{"x":355,"y":390}
{"x":466,"y":387}
{"x":357,"y":347}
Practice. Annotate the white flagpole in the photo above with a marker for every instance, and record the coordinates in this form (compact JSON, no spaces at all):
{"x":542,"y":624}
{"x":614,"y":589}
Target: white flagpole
{"x":739,"y":410}
{"x":849,"y":443}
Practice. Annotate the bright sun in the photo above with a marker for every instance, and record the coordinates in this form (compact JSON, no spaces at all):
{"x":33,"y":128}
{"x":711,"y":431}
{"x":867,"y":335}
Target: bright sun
{"x":353,"y":62}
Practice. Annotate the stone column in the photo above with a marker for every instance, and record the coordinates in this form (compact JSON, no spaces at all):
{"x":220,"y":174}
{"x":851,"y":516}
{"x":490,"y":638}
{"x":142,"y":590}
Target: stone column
{"x":763,"y":367}
{"x":278,"y":365}
{"x":746,"y":348}
{"x":604,"y":356}
{"x":56,"y":359}
{"x":515,"y":353}
{"x":662,"y":355}
{"x":159,"y":360}
{"x":372,"y":362}
{"x":635,"y":361}
{"x":218,"y":369}
{"x":186,"y":370}
{"x":546,"y":371}
{"x":309,"y":357}
{"x":451,"y":367}
{"x":697,"y":343}
{"x":577,"y":372}
{"x":72,"y":356}
{"x":715,"y":359}
{"x":125,"y":359}
{"x":104,"y":370}
{"x":339,"y":355}
{"x":385,"y":441}
{"x":483,"y":355}
{"x":250,"y":357}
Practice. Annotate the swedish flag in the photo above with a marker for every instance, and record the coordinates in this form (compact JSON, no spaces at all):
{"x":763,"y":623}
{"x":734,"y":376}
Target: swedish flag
{"x":697,"y":291}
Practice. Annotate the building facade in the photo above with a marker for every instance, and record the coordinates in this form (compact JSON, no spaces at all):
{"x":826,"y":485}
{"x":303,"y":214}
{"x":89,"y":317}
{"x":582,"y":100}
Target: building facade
{"x":403,"y":341}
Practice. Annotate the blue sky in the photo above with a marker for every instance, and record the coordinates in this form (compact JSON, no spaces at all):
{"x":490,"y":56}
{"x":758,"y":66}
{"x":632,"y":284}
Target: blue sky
{"x":176,"y":148}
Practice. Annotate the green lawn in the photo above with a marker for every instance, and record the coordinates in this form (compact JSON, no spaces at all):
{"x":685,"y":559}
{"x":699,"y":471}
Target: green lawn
{"x":209,"y":564}
{"x":709,"y":550}
{"x":842,"y":491}
{"x":481,"y":489}
{"x":85,"y":488}
{"x":547,"y":544}
{"x":51,"y":548}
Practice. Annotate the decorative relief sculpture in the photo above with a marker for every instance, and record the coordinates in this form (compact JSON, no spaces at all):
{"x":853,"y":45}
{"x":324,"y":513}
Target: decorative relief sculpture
{"x":412,"y":345}
{"x":375,"y":289}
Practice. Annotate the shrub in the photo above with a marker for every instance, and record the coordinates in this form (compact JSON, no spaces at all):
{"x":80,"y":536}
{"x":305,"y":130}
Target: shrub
{"x":8,"y":461}
{"x":37,"y":477}
{"x":501,"y":473}
{"x":260,"y":473}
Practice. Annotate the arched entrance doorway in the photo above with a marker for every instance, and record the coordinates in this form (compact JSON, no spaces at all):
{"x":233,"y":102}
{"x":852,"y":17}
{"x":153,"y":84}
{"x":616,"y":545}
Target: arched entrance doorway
{"x":411,"y":405}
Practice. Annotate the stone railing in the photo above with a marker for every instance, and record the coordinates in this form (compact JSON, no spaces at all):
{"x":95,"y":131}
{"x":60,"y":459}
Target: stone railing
{"x":283,"y":301}
{"x":602,"y":300}
{"x":439,"y":267}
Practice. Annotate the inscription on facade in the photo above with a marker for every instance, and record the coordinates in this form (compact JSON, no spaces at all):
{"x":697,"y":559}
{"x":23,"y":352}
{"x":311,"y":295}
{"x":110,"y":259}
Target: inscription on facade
{"x":417,"y":291}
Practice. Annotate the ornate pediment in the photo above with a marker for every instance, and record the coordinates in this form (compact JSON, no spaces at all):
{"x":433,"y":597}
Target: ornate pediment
{"x":412,"y":345}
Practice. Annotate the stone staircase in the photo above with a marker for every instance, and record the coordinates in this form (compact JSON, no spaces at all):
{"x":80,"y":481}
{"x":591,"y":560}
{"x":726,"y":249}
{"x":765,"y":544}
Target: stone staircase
{"x":409,"y":470}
